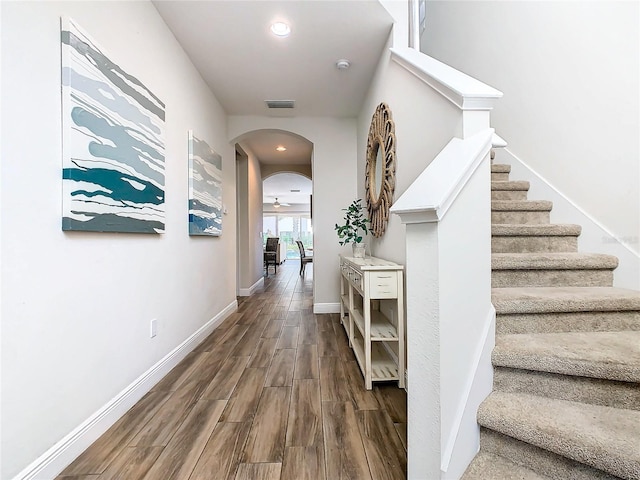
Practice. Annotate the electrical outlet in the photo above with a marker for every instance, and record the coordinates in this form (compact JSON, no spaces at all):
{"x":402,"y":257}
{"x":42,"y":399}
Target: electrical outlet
{"x":154,"y":327}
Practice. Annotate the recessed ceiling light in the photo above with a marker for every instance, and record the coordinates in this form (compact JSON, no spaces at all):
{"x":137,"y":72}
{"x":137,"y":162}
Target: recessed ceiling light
{"x":280,"y":29}
{"x":280,"y":148}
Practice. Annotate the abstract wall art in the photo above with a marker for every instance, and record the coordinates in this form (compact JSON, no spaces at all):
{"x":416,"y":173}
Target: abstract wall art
{"x":113,"y":143}
{"x":205,"y":189}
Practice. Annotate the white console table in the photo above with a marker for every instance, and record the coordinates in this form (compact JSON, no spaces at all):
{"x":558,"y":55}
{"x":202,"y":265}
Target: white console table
{"x":376,"y":338}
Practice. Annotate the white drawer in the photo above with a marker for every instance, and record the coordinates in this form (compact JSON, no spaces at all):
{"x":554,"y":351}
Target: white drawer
{"x":355,"y":277}
{"x":383,"y":285}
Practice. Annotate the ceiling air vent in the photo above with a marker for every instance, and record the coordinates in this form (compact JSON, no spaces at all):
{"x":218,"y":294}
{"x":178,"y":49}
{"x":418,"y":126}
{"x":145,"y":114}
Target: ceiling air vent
{"x":280,"y":103}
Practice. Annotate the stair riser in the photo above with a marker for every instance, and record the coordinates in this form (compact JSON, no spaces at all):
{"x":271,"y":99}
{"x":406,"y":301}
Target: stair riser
{"x":499,"y":177}
{"x":534,"y":244}
{"x":567,"y":322}
{"x":538,"y":459}
{"x":564,"y":387}
{"x":508,"y":194}
{"x":526,"y":217}
{"x":551,"y":278}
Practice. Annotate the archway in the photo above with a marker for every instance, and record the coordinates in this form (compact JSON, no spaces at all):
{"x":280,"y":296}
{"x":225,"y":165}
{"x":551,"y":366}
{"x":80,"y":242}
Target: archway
{"x":271,"y":155}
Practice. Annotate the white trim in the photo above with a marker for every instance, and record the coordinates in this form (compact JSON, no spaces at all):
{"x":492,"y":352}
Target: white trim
{"x":414,"y":24}
{"x":464,"y":91}
{"x":326,"y":308}
{"x":429,"y":197}
{"x":247,"y":292}
{"x":464,"y":400}
{"x":53,"y":461}
{"x":497,"y":141}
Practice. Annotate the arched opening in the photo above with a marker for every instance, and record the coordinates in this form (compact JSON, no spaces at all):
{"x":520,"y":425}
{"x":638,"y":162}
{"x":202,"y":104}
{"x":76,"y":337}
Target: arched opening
{"x":270,"y":164}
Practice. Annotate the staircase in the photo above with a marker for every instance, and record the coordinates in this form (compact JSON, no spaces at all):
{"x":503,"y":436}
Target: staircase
{"x":566,"y":394}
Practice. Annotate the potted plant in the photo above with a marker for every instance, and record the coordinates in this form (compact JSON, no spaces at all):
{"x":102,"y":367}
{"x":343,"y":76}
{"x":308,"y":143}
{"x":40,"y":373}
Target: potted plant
{"x":355,"y":226}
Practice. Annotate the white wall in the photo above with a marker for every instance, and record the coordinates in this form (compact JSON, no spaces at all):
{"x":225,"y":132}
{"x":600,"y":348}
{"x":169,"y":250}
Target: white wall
{"x":571,"y":110}
{"x":424,"y":123}
{"x":76,"y":307}
{"x":251,"y":263}
{"x":255,"y":218}
{"x":244,"y":252}
{"x":334,"y":187}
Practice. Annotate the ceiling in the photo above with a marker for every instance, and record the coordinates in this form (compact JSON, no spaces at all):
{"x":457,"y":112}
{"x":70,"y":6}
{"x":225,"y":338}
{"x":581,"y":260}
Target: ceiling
{"x":280,"y":186}
{"x":263,"y":145}
{"x":244,"y":64}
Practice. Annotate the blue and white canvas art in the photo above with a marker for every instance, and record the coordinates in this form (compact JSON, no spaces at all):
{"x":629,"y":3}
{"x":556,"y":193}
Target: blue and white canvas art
{"x":205,"y":188}
{"x":113,"y":143}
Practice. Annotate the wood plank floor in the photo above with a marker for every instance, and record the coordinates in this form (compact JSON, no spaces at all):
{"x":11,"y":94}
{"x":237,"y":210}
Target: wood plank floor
{"x":273,"y":393}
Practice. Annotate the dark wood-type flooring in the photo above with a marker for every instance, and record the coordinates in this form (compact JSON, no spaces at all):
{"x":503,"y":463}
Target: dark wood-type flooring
{"x":273,"y":393}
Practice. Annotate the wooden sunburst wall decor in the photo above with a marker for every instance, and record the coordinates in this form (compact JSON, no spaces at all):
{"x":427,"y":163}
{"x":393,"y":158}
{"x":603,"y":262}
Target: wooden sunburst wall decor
{"x":380,"y":181}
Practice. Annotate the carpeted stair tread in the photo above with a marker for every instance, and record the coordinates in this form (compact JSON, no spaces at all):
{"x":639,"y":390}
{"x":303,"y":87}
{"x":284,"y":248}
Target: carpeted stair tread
{"x":521,"y":205}
{"x":509,"y":185}
{"x":543,"y":462}
{"x":500,"y":168}
{"x":544,"y":229}
{"x":490,"y":466}
{"x":555,"y":261}
{"x":564,"y":299}
{"x":603,"y":355}
{"x":602,"y":437}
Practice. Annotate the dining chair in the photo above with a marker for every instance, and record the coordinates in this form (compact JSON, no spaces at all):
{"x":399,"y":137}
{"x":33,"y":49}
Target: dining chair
{"x":304,"y":258}
{"x":271,"y":254}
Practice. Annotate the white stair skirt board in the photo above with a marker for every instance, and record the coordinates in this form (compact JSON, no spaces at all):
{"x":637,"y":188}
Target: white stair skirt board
{"x":326,"y":307}
{"x":594,"y":237}
{"x":54,"y":460}
{"x":479,"y":381}
{"x":247,"y":292}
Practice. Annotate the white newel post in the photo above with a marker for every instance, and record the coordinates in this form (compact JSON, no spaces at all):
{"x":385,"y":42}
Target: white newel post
{"x":423,"y":350}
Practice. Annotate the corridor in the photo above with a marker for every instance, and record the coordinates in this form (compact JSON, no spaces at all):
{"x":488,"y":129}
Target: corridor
{"x":273,"y":393}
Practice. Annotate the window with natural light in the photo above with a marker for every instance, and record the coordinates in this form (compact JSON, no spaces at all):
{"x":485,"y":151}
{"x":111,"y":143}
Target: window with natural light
{"x":289,"y":228}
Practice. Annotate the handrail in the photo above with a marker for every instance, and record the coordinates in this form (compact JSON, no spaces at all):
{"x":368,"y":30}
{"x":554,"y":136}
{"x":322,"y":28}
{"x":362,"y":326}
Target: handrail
{"x":464,"y":91}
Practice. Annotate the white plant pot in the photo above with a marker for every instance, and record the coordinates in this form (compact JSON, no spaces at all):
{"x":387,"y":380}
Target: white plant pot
{"x":359,"y":249}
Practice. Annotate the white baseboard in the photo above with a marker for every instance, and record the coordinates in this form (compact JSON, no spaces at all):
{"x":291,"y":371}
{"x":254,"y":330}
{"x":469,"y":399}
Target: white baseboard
{"x":326,"y":308}
{"x":247,"y":292}
{"x":54,"y":460}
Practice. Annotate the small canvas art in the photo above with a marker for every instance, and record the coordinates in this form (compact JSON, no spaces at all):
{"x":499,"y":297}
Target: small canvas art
{"x":205,"y":188}
{"x":113,"y":143}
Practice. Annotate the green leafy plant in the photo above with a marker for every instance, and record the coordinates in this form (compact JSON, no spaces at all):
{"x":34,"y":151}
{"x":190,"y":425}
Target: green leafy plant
{"x":354,"y":223}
